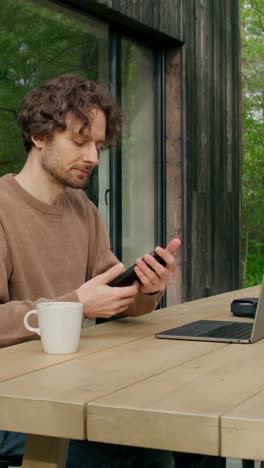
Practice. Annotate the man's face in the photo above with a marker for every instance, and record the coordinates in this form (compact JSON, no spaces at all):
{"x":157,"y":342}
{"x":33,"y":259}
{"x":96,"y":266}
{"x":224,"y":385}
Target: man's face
{"x":69,"y":157}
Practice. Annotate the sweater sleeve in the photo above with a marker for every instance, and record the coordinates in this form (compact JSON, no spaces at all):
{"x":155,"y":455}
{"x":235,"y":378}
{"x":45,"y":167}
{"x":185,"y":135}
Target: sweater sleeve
{"x":12,"y":312}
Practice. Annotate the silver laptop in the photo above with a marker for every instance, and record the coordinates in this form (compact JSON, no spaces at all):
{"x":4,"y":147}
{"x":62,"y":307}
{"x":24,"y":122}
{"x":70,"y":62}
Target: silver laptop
{"x":220,"y":330}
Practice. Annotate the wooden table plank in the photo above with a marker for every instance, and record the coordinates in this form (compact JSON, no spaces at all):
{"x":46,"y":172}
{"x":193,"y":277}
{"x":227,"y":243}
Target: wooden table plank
{"x":191,"y":396}
{"x":242,"y":428}
{"x":59,"y":393}
{"x":29,"y":357}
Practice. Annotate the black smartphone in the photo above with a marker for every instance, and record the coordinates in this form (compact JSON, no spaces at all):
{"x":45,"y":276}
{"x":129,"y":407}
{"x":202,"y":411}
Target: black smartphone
{"x":129,"y":276}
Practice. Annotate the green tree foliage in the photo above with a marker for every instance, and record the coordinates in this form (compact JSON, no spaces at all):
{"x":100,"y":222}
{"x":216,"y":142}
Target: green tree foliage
{"x":252,"y":55}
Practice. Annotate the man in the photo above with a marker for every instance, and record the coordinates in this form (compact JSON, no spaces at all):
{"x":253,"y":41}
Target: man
{"x":53,"y":244}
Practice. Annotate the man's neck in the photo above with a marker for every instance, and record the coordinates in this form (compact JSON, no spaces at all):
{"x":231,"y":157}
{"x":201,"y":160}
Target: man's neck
{"x":38,"y":183}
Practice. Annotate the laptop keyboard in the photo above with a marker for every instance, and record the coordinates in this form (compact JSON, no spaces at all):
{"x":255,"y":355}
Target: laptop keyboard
{"x":232,"y":330}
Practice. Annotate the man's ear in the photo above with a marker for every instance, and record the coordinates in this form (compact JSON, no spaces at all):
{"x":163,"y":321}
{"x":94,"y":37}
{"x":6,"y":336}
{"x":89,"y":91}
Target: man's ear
{"x":39,"y":141}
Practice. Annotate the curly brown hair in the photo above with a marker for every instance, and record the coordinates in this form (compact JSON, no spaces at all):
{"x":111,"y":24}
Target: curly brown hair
{"x":44,"y":108}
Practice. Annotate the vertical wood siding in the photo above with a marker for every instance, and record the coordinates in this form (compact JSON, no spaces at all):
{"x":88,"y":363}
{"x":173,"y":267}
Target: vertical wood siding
{"x":174,"y":171}
{"x":209,"y":31}
{"x":213,"y":147}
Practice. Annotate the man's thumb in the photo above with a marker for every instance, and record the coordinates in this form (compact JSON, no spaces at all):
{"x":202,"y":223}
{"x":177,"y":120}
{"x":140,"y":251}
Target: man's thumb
{"x":173,"y":245}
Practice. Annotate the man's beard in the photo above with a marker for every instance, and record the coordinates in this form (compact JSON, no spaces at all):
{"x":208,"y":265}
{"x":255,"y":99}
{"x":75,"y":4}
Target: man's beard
{"x":63,"y":177}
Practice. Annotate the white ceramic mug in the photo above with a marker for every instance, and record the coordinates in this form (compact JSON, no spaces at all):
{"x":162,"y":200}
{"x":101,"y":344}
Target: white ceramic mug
{"x":59,"y":326}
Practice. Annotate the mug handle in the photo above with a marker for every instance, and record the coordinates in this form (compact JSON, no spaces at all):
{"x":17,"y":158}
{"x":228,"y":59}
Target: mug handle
{"x":31,"y":312}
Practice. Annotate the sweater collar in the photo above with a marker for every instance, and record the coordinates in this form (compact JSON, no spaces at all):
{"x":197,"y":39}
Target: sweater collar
{"x":32,"y":201}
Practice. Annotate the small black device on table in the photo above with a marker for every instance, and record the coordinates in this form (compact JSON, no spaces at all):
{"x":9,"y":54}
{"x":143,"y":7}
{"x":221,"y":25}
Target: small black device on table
{"x":244,"y":307}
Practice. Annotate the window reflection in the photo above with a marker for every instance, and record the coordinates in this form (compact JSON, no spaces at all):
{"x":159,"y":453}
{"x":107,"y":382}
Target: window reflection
{"x":137,"y":151}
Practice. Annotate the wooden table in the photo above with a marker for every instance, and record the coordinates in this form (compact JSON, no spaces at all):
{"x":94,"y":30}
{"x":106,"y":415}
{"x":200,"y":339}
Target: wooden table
{"x":125,"y":386}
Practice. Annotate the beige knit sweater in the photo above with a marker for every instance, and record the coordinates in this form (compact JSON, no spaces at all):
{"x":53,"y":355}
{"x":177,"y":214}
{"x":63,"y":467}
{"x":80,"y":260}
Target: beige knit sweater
{"x":47,"y":252}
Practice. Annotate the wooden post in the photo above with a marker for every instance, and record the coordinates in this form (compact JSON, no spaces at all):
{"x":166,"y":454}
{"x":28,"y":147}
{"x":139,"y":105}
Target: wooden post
{"x":45,"y":452}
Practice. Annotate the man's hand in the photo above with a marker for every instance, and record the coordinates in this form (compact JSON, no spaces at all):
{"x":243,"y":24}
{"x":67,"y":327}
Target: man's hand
{"x":158,"y":277}
{"x":100,"y":300}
